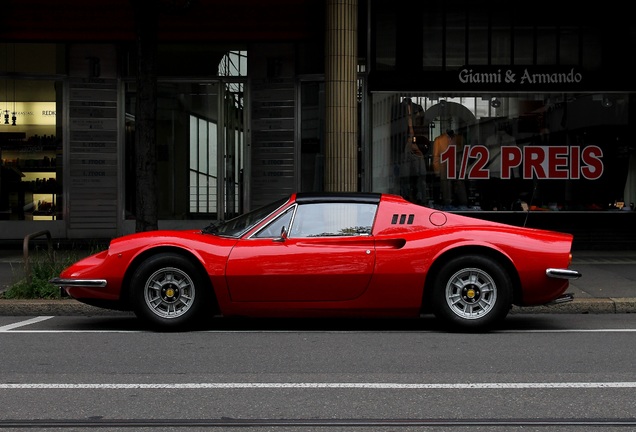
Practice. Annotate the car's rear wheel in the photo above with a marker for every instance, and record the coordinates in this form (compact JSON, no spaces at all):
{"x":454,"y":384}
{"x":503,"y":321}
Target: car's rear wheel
{"x":472,"y":293}
{"x":168,"y":291}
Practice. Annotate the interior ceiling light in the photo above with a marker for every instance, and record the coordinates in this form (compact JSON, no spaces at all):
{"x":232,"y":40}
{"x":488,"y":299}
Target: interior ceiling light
{"x":606,"y":102}
{"x":495,"y":103}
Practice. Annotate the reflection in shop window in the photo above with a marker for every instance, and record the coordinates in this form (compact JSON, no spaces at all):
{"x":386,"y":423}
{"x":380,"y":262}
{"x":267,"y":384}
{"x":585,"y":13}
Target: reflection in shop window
{"x":538,"y":152}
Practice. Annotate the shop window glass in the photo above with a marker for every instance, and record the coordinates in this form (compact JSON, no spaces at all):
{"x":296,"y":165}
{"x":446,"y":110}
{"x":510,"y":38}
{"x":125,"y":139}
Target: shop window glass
{"x":234,"y":147}
{"x":386,"y":24}
{"x":546,"y":46}
{"x":312,"y":152}
{"x":203,"y":166}
{"x":30,"y":149}
{"x":453,"y":36}
{"x":30,"y":132}
{"x":200,"y":134}
{"x":187,"y":117}
{"x":433,"y":41}
{"x":524,"y":46}
{"x":478,"y":34}
{"x":30,"y":58}
{"x":455,"y":41}
{"x":501,"y":53}
{"x":513,"y":153}
{"x":591,"y":52}
{"x":233,"y":63}
{"x":569,"y":47}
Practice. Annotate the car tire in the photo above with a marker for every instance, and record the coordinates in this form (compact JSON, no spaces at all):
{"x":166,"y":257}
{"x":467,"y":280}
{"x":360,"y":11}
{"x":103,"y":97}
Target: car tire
{"x":168,"y":292}
{"x":472,"y":293}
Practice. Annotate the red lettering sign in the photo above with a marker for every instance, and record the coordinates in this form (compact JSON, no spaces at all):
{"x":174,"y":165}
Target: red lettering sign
{"x":559,"y":162}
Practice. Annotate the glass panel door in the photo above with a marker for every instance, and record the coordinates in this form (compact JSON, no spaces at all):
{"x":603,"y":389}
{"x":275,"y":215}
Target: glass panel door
{"x":312,"y":151}
{"x":234,"y":137}
{"x":200,"y":149}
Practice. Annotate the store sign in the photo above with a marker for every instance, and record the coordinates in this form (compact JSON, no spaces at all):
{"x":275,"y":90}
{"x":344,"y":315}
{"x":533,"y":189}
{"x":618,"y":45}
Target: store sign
{"x":530,"y":162}
{"x":32,"y":113}
{"x":93,"y":156}
{"x":519,"y":76}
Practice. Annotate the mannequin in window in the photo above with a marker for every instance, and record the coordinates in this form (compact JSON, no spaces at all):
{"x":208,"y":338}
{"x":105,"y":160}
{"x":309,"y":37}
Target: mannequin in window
{"x":453,"y":191}
{"x":497,"y":194}
{"x":413,"y":151}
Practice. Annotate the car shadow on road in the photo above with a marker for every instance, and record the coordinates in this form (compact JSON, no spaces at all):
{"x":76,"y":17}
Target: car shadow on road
{"x":426,"y":323}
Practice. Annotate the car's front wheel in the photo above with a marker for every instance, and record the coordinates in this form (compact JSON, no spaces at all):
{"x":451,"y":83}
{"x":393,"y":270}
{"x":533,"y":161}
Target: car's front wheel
{"x":472,"y":293}
{"x":167,"y":291}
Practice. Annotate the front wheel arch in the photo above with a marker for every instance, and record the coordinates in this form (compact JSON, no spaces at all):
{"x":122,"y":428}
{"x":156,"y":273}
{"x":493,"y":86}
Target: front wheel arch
{"x":126,"y":293}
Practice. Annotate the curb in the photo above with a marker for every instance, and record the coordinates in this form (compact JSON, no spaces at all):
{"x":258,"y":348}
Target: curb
{"x":584,"y":306}
{"x":63,"y":307}
{"x":70,"y":307}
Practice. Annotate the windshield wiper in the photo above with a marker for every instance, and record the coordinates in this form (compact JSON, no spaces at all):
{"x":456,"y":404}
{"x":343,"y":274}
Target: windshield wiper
{"x":212,"y":228}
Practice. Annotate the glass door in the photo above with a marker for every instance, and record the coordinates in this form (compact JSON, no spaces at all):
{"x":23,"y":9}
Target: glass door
{"x":234,"y":147}
{"x":200,"y":149}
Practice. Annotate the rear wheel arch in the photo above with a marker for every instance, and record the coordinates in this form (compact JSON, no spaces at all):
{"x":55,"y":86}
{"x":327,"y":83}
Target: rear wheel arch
{"x":440,"y":261}
{"x":472,"y":290}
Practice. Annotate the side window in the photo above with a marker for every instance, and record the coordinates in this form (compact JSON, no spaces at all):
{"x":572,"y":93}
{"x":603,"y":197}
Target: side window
{"x":273,"y":229}
{"x":333,"y":219}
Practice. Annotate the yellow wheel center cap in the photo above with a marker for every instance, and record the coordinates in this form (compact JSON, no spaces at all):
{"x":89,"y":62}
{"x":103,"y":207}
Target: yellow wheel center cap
{"x":170,"y":292}
{"x":470,"y":293}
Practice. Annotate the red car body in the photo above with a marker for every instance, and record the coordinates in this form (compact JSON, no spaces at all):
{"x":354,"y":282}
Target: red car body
{"x":403,"y":260}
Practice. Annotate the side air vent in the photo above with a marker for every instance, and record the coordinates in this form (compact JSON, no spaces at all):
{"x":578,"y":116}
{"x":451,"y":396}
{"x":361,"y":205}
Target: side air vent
{"x":402,"y":219}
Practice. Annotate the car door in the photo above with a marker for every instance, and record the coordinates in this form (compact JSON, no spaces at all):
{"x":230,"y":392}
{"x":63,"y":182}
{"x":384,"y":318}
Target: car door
{"x":326,"y":254}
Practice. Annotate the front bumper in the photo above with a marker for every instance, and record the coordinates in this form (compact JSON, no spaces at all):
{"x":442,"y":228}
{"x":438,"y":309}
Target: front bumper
{"x":83,"y":283}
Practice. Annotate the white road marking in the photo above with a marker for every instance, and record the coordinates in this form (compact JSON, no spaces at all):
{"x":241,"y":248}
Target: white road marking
{"x":24,"y":323}
{"x":381,"y":386}
{"x":10,"y":329}
{"x":571,"y":331}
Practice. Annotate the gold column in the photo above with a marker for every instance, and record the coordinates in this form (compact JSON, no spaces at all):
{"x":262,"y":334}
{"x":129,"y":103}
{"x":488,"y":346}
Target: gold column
{"x":341,"y":116}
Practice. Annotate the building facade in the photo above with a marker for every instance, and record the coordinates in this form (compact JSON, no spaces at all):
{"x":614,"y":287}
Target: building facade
{"x":521,"y":115}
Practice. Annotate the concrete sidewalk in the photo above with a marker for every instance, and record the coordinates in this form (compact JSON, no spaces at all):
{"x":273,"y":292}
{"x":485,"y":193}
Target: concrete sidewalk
{"x":608,"y":285}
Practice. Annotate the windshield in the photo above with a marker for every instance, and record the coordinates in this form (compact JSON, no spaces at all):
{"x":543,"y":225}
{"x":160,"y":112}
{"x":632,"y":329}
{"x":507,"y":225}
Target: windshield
{"x":239,"y":225}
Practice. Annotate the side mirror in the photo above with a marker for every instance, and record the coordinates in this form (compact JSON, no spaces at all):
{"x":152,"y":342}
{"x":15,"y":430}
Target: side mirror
{"x":283,"y":235}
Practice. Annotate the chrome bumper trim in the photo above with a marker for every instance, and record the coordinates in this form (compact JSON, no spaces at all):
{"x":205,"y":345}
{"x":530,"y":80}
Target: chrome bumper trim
{"x":565,"y":298}
{"x":562,"y":273}
{"x":86,"y":283}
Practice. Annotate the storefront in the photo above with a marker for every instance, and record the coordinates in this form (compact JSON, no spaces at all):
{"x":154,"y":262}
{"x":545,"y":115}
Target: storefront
{"x":67,"y":129}
{"x":523,"y":117}
{"x":30,"y":139}
{"x":67,"y":139}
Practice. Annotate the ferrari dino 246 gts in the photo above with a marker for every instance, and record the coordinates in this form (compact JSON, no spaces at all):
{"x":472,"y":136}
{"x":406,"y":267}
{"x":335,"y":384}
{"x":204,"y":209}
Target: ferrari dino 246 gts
{"x":329,"y":255}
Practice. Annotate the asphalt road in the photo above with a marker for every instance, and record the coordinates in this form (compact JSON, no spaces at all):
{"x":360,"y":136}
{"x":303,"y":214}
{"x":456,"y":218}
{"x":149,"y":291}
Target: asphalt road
{"x":542,"y":372}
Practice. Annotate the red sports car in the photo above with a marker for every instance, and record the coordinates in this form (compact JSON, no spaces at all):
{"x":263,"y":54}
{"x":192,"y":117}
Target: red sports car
{"x":329,"y":254}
